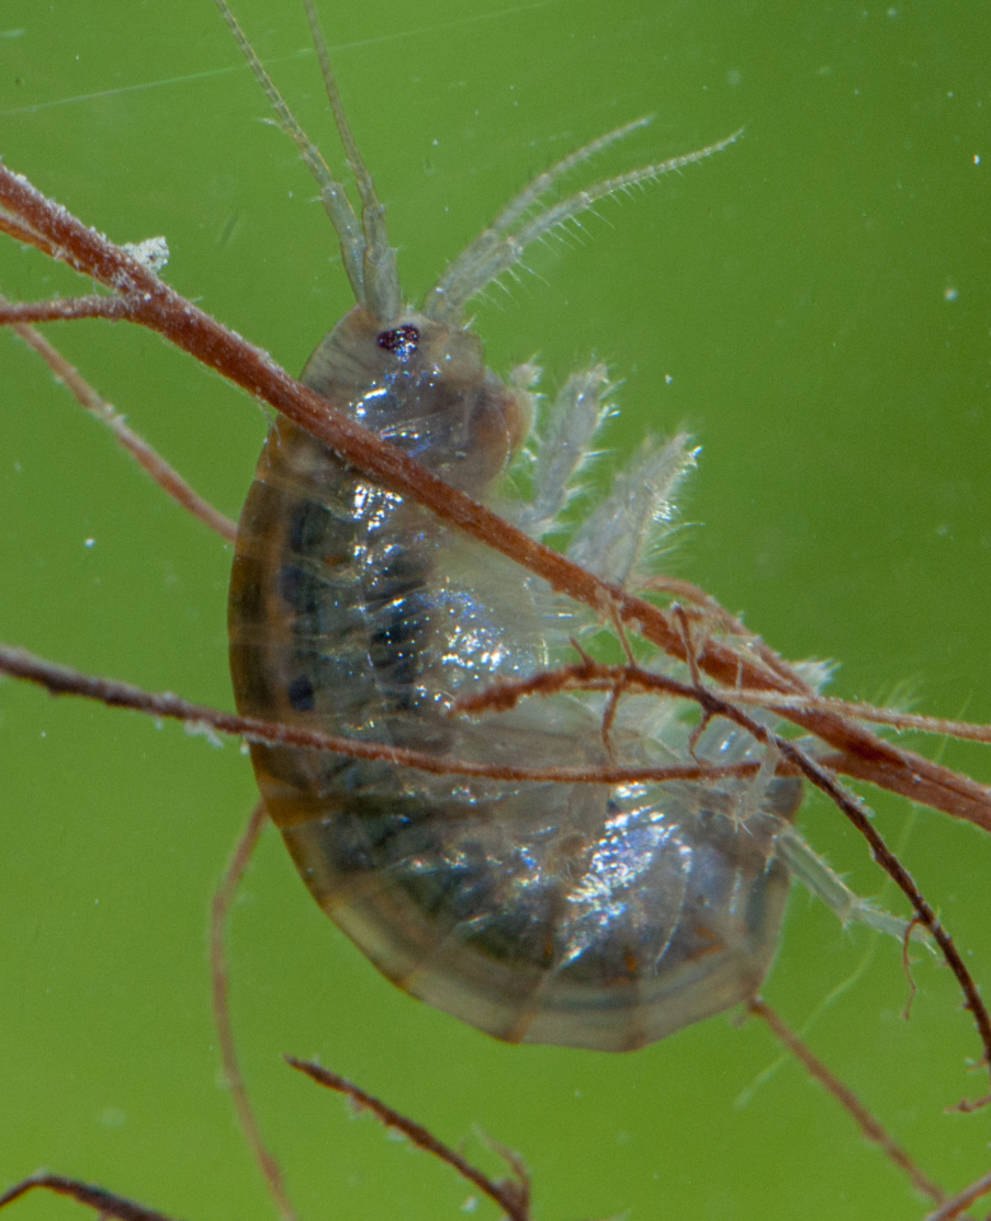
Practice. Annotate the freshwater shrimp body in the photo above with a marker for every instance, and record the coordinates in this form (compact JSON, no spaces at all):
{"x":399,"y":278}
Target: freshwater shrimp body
{"x":599,"y":916}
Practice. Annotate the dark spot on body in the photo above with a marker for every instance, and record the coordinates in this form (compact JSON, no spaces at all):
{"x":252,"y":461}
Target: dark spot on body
{"x":310,"y":524}
{"x":300,"y":589}
{"x":301,"y":694}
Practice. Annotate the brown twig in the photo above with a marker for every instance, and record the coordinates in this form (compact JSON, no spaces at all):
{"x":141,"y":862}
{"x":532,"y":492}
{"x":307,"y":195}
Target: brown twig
{"x":868,"y":1125}
{"x":166,"y":476}
{"x":513,"y":1197}
{"x":63,"y":680}
{"x":954,"y":1207}
{"x":219,"y":910}
{"x":103,"y":1202}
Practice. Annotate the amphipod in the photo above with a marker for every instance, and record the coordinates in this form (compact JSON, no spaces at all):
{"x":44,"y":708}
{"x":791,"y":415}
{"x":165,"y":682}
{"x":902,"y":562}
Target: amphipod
{"x":592,"y":915}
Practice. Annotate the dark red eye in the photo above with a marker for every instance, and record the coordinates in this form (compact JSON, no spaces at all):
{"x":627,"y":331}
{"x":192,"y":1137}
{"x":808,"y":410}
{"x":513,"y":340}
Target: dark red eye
{"x":403,"y":340}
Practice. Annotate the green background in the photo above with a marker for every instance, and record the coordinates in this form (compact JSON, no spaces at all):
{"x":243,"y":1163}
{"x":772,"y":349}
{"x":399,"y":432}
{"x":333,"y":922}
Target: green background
{"x":814,"y":304}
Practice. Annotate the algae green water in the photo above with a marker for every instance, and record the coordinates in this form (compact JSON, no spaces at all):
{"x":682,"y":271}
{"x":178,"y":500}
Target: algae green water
{"x":814,"y":304}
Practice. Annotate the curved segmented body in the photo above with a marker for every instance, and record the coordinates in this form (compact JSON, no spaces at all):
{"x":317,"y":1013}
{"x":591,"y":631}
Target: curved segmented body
{"x":591,"y":915}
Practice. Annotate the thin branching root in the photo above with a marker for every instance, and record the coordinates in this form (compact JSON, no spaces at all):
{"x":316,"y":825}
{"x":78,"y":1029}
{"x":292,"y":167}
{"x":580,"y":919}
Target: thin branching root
{"x":104,"y":1203}
{"x":512,"y":1195}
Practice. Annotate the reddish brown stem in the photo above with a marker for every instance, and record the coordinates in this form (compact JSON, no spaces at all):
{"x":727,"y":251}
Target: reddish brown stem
{"x":223,"y":899}
{"x":65,"y":309}
{"x":847,"y":1099}
{"x":954,"y":1208}
{"x":512,"y":1197}
{"x":103,"y":1202}
{"x":62,"y":680}
{"x":166,"y":476}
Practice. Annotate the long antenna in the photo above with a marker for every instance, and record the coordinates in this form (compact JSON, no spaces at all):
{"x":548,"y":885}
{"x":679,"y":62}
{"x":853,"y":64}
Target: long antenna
{"x":503,"y":243}
{"x":368,"y":258}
